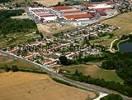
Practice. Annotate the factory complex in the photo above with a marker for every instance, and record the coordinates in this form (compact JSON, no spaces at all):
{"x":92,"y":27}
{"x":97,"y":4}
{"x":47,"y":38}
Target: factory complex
{"x":76,"y":14}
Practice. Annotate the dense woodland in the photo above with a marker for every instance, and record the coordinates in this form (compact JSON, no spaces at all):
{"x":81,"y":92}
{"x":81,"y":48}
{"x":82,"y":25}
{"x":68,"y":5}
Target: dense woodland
{"x":112,"y":97}
{"x":122,"y":88}
{"x":4,"y":14}
{"x":4,"y":1}
{"x":122,"y":63}
{"x":8,"y":25}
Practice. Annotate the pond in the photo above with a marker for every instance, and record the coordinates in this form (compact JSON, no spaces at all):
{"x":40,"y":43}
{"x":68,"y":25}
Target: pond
{"x":125,"y":47}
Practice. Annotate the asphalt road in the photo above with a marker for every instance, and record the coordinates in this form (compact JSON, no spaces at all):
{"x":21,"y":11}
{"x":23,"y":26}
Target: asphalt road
{"x":89,"y":87}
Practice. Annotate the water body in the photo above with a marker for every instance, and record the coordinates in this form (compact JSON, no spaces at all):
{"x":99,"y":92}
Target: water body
{"x":125,"y":47}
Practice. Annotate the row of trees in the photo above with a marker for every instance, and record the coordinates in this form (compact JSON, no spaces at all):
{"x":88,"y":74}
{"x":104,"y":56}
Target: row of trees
{"x":13,"y":68}
{"x":79,"y":60}
{"x":124,"y":89}
{"x":16,"y":25}
{"x":4,"y":14}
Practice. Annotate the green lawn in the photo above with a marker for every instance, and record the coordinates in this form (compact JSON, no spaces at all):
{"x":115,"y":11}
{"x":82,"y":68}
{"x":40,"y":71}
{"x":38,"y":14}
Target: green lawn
{"x":95,"y":72}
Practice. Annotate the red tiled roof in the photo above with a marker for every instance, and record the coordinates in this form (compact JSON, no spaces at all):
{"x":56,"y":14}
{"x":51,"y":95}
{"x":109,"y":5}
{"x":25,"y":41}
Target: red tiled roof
{"x":75,"y":13}
{"x":79,"y":16}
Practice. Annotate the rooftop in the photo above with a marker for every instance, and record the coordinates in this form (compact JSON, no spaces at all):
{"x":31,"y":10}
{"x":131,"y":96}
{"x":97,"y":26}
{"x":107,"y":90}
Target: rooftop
{"x":62,"y":7}
{"x":78,"y":16}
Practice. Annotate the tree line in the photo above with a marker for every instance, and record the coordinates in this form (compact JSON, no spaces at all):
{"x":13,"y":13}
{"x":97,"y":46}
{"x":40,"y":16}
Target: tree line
{"x":8,"y":25}
{"x":122,"y":88}
{"x":122,"y":63}
{"x":4,"y":1}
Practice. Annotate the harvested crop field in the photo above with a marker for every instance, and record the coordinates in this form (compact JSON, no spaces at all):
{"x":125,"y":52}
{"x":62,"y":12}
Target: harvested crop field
{"x":48,"y":2}
{"x":31,"y":86}
{"x":53,"y":28}
{"x":44,"y":2}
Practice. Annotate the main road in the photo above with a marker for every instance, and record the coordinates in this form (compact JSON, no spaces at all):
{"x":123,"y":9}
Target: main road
{"x":89,"y":87}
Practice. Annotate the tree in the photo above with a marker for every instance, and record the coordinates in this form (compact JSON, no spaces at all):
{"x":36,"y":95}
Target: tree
{"x":6,"y":68}
{"x":4,"y":1}
{"x":126,"y":74}
{"x":63,"y":60}
{"x":14,"y":68}
{"x":112,"y":97}
{"x":118,"y":62}
{"x":76,"y":72}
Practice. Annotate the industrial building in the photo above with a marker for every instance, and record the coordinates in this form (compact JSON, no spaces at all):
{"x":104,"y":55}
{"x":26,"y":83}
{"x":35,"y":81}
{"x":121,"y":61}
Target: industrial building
{"x":72,"y":14}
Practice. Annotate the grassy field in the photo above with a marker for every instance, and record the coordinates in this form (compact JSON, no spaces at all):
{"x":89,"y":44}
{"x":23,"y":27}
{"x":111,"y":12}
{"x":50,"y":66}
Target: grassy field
{"x":16,"y":38}
{"x":31,"y":86}
{"x":95,"y":72}
{"x":22,"y":65}
{"x":124,"y":21}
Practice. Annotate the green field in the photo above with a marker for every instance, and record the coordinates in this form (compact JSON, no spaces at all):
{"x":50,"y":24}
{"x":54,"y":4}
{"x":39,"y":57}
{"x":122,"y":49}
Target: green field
{"x":124,"y":21}
{"x":95,"y":72}
{"x":15,"y":31}
{"x":22,"y":65}
{"x":16,"y":38}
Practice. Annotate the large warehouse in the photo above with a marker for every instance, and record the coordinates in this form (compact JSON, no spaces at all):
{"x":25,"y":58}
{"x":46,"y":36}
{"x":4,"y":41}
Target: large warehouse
{"x":73,"y":14}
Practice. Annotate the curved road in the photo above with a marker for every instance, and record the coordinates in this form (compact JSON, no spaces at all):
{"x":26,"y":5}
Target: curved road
{"x":85,"y":86}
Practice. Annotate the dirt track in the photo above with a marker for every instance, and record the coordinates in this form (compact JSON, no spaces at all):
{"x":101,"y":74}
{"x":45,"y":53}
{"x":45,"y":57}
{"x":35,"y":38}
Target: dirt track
{"x":30,"y":86}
